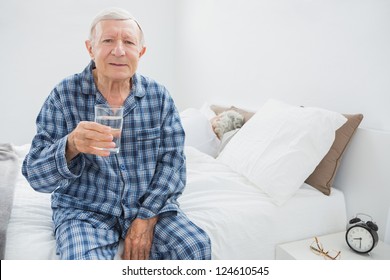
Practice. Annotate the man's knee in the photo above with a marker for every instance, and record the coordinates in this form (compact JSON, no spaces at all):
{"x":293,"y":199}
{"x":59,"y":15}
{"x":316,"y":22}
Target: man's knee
{"x":176,"y":237}
{"x":198,"y":249}
{"x":77,"y":240}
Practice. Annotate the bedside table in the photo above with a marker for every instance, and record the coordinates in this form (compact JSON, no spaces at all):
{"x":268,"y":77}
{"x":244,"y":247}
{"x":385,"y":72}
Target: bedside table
{"x":299,"y":250}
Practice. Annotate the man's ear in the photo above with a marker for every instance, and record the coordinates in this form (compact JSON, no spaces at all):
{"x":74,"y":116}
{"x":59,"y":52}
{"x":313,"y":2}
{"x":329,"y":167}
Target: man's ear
{"x":142,"y":52}
{"x":88,"y":45}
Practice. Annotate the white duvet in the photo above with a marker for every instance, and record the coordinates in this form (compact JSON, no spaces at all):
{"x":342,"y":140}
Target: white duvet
{"x":241,"y":220}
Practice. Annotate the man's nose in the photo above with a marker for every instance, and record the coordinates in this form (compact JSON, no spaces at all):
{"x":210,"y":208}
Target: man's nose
{"x":118,"y":50}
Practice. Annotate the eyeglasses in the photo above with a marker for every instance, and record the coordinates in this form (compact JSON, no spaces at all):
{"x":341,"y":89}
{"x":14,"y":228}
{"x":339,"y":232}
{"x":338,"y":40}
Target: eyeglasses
{"x":317,"y":248}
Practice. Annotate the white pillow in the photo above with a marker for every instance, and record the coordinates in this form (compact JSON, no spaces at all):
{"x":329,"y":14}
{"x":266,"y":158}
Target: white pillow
{"x":226,"y":138}
{"x":280,"y":146}
{"x":206,"y":110}
{"x":199,"y":132}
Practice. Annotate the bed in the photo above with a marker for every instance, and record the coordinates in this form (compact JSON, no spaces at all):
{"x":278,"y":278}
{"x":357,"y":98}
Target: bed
{"x":245,"y":212}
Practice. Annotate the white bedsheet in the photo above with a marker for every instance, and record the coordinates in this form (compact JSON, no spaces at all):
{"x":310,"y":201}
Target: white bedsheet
{"x":242,"y":222}
{"x":30,"y":229}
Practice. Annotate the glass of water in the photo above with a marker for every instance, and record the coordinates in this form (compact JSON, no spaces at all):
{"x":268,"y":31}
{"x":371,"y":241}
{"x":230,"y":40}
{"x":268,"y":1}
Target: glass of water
{"x":111,"y":116}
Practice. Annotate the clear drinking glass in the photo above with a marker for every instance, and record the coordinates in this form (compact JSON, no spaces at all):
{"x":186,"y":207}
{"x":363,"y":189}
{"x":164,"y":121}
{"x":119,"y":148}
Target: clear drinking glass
{"x":111,"y":116}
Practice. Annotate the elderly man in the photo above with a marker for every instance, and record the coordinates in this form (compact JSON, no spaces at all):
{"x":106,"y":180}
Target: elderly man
{"x":99,"y":198}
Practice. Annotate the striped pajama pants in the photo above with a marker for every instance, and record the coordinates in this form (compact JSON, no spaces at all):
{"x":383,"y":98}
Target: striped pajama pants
{"x":89,"y":235}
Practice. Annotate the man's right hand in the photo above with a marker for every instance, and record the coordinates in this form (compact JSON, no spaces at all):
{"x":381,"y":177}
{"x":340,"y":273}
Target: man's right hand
{"x":87,"y":138}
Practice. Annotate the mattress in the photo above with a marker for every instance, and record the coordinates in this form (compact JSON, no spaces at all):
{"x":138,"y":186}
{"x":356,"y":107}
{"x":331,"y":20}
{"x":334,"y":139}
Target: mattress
{"x":241,"y":220}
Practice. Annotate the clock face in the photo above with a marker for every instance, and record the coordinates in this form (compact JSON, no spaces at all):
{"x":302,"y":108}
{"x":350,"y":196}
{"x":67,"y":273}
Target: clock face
{"x":360,"y":239}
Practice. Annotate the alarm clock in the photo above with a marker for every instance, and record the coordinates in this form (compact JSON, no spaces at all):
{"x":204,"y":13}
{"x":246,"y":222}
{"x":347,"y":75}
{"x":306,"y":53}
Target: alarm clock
{"x":362,"y":236}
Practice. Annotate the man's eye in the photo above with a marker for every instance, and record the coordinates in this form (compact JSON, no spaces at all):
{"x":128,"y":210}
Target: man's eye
{"x":106,"y":41}
{"x":127,"y":42}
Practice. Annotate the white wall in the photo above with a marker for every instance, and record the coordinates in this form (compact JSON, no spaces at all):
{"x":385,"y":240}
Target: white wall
{"x":42,"y":42}
{"x":329,"y":53}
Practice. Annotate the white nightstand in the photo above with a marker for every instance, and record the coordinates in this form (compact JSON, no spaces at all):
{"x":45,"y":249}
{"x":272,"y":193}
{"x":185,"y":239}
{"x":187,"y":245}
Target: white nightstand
{"x":299,"y":250}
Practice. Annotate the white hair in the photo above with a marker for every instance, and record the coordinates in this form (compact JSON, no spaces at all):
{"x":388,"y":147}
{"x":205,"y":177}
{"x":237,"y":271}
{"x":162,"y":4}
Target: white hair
{"x":227,"y":121}
{"x":115,"y":14}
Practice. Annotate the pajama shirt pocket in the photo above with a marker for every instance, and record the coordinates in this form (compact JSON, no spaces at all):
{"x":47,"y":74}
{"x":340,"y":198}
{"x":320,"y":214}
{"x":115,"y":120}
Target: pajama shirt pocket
{"x":148,"y":143}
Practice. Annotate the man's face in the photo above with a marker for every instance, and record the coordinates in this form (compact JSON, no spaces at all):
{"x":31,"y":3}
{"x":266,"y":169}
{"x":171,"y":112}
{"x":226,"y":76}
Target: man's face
{"x":116,"y":48}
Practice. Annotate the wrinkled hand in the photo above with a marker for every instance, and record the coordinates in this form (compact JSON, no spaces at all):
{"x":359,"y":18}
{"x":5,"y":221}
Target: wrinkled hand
{"x":139,"y":238}
{"x":87,"y":138}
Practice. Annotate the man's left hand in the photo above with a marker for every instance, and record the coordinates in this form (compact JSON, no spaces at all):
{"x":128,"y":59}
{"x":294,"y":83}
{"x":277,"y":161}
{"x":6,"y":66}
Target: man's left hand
{"x":139,"y":238}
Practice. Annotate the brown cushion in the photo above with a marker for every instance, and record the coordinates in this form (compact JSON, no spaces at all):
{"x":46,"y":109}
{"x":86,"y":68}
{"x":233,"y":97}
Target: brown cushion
{"x":323,"y":176}
{"x":219,"y":109}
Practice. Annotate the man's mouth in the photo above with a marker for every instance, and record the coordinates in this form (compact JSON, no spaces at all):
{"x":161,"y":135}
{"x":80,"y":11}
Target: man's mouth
{"x":118,"y":64}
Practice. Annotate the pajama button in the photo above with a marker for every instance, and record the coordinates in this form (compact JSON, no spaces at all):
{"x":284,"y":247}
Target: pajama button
{"x":123,"y":167}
